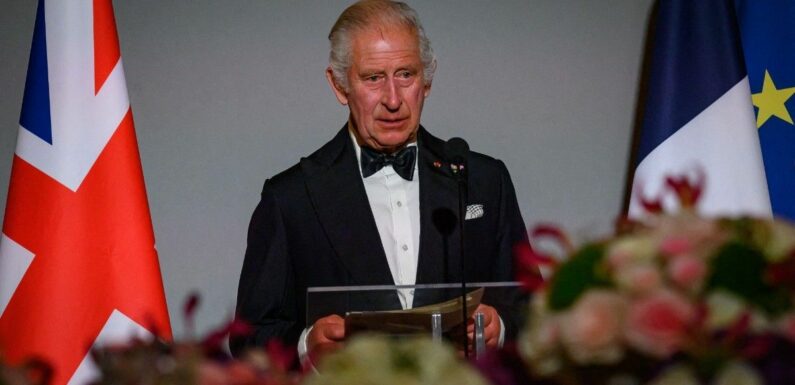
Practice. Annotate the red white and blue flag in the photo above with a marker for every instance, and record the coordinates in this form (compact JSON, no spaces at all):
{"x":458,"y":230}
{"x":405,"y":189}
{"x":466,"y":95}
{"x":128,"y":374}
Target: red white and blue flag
{"x":699,"y":111}
{"x":78,"y":264}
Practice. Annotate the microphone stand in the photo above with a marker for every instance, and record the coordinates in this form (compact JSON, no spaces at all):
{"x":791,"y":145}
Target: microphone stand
{"x":456,"y":150}
{"x":462,"y":198}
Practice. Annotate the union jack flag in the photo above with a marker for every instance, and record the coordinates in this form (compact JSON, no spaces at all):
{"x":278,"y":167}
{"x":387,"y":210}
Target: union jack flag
{"x":78,"y":264}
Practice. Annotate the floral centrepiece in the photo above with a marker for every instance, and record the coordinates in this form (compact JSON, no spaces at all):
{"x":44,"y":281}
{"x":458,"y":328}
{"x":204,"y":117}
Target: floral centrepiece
{"x":194,"y":361}
{"x":383,"y":360}
{"x":672,"y":297}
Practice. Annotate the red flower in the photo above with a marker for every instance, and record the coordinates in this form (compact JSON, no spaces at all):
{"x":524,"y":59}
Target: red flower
{"x":687,"y":192}
{"x":281,"y":355}
{"x":527,"y":262}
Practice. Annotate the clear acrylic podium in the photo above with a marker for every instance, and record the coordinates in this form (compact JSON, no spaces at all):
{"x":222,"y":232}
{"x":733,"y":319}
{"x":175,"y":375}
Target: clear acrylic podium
{"x":436,"y":308}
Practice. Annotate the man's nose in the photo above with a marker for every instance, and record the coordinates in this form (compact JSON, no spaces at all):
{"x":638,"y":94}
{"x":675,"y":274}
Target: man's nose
{"x":391,"y":98}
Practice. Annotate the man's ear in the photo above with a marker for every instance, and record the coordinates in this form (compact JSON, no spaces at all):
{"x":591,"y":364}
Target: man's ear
{"x":339,"y":91}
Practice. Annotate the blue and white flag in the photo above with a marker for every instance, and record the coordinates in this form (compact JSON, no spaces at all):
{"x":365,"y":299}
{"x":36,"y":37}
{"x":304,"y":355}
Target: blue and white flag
{"x":698,"y":113}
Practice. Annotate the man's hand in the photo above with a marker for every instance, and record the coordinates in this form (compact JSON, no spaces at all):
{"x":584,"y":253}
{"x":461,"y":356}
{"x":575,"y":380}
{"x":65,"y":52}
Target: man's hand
{"x":491,"y":327}
{"x":326,"y":336}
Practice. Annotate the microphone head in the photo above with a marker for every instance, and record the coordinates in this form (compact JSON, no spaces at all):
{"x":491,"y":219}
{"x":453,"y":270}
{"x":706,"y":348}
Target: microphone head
{"x":456,"y":150}
{"x":444,"y":220}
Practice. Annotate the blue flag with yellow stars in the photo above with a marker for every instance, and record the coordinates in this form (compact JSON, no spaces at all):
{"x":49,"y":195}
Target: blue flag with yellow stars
{"x":768,"y":41}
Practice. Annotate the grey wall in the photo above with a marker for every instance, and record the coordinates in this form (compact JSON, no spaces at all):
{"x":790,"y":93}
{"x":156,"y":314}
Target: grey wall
{"x":227,"y":93}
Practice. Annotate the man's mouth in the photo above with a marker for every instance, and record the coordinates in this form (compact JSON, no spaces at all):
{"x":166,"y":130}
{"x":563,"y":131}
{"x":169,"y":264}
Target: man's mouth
{"x":391,"y":121}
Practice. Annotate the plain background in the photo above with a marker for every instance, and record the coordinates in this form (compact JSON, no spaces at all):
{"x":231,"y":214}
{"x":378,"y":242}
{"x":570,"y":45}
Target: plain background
{"x":227,"y":93}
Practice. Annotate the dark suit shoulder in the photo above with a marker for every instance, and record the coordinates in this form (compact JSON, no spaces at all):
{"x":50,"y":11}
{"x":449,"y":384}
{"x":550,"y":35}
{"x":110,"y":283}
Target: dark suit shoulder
{"x":285,"y":181}
{"x":318,"y":161}
{"x":481,"y":162}
{"x":483,"y":166}
{"x":486,"y":160}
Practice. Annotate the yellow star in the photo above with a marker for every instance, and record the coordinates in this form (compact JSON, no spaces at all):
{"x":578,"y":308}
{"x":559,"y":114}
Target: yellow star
{"x":771,"y":102}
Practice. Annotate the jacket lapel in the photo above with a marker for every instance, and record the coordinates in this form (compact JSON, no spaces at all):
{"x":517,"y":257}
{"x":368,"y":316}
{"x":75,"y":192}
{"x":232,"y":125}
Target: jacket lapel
{"x":340,"y":202}
{"x":438,"y":191}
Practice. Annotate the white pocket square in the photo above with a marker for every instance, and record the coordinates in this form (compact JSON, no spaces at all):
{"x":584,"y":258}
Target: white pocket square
{"x":474,"y":212}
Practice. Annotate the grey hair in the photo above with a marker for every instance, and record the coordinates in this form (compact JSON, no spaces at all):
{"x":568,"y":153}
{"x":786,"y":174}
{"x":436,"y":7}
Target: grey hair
{"x":369,"y":13}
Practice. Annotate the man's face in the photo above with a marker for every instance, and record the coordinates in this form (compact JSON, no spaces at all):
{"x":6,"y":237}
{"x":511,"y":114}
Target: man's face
{"x":386,"y":89}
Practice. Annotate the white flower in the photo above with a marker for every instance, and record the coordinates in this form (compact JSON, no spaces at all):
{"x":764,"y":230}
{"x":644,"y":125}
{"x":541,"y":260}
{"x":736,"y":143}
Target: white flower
{"x":781,"y":242}
{"x":382,"y":360}
{"x":676,"y":375}
{"x":539,"y":344}
{"x":631,"y":249}
{"x":738,"y":373}
{"x":592,"y":330}
{"x":723,"y":309}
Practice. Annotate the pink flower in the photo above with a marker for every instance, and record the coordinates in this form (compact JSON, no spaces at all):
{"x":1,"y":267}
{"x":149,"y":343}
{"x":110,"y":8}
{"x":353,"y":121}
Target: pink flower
{"x":548,"y":333}
{"x":657,"y":324}
{"x":639,"y":279}
{"x":786,"y":326}
{"x":687,"y":234}
{"x":687,"y":271}
{"x":240,"y":373}
{"x":591,"y":331}
{"x":618,"y":259}
{"x":676,"y":245}
{"x":211,"y":373}
{"x":539,"y":346}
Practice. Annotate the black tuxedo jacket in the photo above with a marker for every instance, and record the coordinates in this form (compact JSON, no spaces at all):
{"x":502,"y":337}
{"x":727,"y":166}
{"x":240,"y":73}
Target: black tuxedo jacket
{"x":314,"y":227}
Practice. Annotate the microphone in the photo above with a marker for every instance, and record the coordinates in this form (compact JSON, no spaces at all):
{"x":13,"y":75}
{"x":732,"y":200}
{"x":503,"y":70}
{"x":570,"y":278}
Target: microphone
{"x":456,"y":150}
{"x":445,"y":222}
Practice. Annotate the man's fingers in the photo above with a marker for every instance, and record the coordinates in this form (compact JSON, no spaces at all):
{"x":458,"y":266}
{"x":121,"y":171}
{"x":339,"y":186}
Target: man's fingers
{"x":488,"y":317}
{"x":334,"y":332}
{"x":491,"y":327}
{"x":325,"y":330}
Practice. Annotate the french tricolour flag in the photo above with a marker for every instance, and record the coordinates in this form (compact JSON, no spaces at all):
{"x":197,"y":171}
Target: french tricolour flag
{"x":78,"y":264}
{"x":699,"y":115}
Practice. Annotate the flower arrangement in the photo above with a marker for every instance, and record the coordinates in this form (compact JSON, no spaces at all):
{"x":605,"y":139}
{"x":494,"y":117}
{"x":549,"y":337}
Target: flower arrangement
{"x":674,"y":299}
{"x":153,"y":362}
{"x":378,"y":359}
{"x":194,"y":361}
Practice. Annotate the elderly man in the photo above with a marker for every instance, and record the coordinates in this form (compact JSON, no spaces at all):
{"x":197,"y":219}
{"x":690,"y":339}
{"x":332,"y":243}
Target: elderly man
{"x":358,"y":210}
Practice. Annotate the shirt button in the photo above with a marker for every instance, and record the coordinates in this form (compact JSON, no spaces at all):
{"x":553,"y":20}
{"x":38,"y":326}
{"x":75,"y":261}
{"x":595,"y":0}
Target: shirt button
{"x":399,"y":204}
{"x":405,"y":248}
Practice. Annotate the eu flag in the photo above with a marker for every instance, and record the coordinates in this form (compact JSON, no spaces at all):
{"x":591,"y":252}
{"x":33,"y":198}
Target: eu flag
{"x":768,"y":41}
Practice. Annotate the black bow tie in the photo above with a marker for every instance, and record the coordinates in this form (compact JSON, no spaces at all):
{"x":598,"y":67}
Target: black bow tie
{"x":402,"y":162}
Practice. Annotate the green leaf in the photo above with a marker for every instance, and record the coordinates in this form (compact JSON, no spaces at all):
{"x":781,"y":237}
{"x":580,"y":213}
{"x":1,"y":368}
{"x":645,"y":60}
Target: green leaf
{"x":577,"y":275}
{"x":740,"y":268}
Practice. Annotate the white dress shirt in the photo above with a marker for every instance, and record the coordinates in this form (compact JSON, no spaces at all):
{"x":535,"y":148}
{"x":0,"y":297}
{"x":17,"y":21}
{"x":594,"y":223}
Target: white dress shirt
{"x":395,"y":203}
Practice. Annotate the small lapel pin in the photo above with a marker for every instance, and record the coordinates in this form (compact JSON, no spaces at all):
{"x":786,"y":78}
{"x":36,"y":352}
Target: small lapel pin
{"x":437,"y":164}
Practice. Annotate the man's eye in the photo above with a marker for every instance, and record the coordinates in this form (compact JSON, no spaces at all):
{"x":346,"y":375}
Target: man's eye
{"x":404,"y":74}
{"x":372,"y":78}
